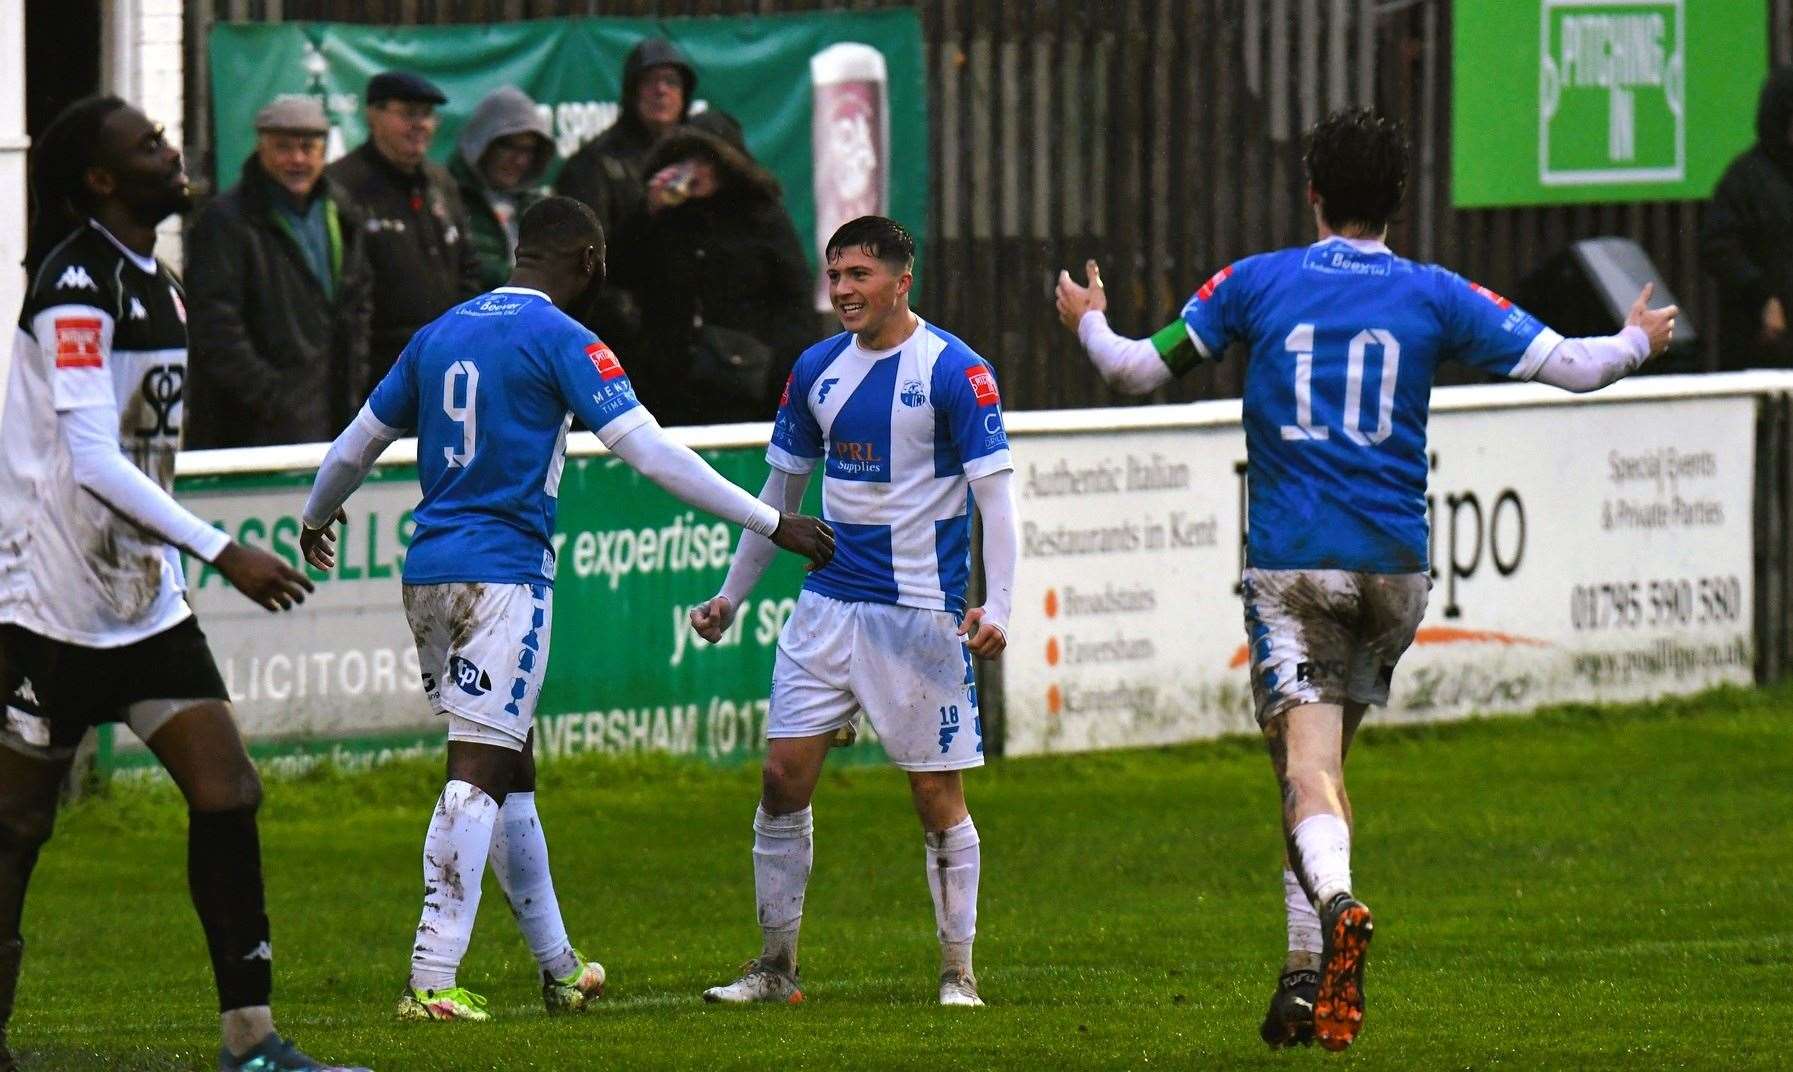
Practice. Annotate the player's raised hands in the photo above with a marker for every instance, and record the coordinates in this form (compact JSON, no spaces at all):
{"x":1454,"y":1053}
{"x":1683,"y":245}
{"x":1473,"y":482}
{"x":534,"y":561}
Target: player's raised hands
{"x":319,"y":545}
{"x":262,"y":577}
{"x":1658,"y":324}
{"x":985,"y":639}
{"x":807,"y":536}
{"x":711,"y":619}
{"x":1074,"y":301}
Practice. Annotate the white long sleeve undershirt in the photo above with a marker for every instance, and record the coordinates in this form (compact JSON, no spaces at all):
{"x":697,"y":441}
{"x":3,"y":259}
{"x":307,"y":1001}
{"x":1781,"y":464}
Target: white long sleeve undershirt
{"x":1579,"y":365}
{"x":90,"y":434}
{"x":995,"y":496}
{"x":1129,"y":365}
{"x":784,"y":492}
{"x":347,"y":464}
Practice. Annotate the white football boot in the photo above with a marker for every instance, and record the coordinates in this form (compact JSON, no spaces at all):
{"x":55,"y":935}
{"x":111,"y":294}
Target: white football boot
{"x":758,"y":982}
{"x":959,"y":988}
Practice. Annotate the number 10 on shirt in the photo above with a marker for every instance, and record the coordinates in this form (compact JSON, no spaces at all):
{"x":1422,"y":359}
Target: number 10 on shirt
{"x":1301,"y":343}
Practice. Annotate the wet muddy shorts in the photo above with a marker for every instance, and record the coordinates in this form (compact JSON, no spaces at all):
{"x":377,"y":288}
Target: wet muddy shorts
{"x":1328,"y":636}
{"x":906,"y":667}
{"x":54,"y":691}
{"x":483,"y":651}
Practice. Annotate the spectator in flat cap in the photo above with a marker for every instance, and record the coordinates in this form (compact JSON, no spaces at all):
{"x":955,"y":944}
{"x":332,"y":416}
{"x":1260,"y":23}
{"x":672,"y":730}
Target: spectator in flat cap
{"x":279,"y":293}
{"x":504,"y":151}
{"x":606,"y":173}
{"x":417,"y":229}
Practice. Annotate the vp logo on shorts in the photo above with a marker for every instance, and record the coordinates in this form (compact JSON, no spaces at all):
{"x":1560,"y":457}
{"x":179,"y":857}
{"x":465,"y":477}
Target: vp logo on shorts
{"x":472,"y":680}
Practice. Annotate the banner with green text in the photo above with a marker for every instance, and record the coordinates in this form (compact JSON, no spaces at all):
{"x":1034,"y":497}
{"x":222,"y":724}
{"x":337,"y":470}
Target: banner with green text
{"x":1558,"y":101}
{"x":834,"y":103}
{"x":338,"y":677}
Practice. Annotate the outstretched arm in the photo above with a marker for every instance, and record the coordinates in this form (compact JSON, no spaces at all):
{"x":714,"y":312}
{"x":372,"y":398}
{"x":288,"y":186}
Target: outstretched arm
{"x":987,"y":626}
{"x":347,"y":464}
{"x":783,"y":492}
{"x":1588,"y":364}
{"x":685,"y":476}
{"x":1132,"y":366}
{"x":90,"y":433}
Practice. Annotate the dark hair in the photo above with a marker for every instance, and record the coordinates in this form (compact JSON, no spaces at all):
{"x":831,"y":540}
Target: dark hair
{"x":879,"y":236}
{"x":1357,"y":161}
{"x":559,"y":225}
{"x":60,"y":157}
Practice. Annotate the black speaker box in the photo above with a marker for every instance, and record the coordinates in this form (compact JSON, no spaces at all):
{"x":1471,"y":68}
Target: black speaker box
{"x":1588,"y":288}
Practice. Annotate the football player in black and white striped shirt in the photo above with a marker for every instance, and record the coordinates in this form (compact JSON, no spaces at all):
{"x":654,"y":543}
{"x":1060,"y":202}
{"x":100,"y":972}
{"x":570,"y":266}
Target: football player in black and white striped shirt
{"x":94,"y":624}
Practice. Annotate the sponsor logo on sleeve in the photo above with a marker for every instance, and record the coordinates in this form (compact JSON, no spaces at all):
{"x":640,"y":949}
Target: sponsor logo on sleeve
{"x":1213,"y":283}
{"x":604,"y":360}
{"x":983,"y":385}
{"x":1490,"y":295}
{"x":78,"y":342}
{"x":785,"y":399}
{"x":75,"y":277}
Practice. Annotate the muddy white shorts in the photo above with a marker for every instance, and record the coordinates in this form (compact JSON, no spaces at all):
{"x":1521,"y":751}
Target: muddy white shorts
{"x":906,"y":668}
{"x":484,"y":652}
{"x":1328,"y":636}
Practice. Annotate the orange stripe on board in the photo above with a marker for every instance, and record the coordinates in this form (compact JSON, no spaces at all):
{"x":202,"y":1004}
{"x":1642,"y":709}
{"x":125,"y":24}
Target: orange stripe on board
{"x":1432,"y":634}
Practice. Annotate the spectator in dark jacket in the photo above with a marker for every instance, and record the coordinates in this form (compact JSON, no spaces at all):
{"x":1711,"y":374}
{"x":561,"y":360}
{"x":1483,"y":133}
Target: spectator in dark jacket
{"x":1746,"y":241}
{"x":279,"y":295}
{"x":606,"y":173}
{"x":723,"y":282}
{"x":422,"y":255}
{"x":504,"y":151}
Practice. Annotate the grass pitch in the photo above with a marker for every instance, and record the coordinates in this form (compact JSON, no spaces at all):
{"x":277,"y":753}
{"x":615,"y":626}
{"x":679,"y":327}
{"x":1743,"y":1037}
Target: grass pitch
{"x":1583,"y":889}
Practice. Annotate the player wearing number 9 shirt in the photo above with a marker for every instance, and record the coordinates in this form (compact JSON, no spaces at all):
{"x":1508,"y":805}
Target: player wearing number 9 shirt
{"x":491,"y":388}
{"x":1343,"y":339}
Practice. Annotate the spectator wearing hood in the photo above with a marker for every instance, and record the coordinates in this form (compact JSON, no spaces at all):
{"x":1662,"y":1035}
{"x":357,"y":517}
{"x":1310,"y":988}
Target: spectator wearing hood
{"x":721,"y":276}
{"x":504,"y":151}
{"x":606,"y":172}
{"x":1746,"y":241}
{"x":280,"y":293}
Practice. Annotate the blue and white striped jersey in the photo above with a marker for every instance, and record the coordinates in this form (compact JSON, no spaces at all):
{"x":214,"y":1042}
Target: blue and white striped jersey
{"x":903,"y":432}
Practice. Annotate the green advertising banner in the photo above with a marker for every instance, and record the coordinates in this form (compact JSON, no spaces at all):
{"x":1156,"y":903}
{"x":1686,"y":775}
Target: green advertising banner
{"x":338,"y":677}
{"x":834,"y":103}
{"x":1557,"y":101}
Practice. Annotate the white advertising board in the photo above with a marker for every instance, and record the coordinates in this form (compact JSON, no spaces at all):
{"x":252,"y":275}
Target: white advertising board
{"x":1584,"y":549}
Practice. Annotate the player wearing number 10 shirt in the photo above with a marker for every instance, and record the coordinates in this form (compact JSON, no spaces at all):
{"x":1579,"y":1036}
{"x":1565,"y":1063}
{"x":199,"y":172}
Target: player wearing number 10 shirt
{"x":491,"y":388}
{"x":1343,"y":339}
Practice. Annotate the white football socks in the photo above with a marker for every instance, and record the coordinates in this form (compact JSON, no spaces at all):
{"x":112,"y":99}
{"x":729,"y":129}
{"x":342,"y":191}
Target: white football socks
{"x":783,"y":852}
{"x":1323,"y":843}
{"x":1304,"y":922}
{"x":953,"y":864}
{"x":454,"y":861}
{"x":520,"y":863}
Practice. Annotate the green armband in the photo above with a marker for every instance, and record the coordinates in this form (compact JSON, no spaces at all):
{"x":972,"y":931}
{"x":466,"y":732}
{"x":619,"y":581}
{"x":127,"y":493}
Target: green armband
{"x":1174,"y":348}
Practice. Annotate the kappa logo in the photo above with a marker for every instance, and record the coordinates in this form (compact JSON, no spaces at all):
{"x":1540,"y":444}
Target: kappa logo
{"x":472,"y":680}
{"x":75,"y":277}
{"x":264,"y":951}
{"x":1214,"y":281}
{"x":78,"y":342}
{"x":913,"y":395}
{"x":604,"y":360}
{"x":1489,"y":294}
{"x":138,"y":312}
{"x":983,"y":385}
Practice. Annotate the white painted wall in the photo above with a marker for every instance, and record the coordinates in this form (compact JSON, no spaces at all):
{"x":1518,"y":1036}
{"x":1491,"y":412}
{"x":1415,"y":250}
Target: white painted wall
{"x":13,"y":144}
{"x":141,"y":61}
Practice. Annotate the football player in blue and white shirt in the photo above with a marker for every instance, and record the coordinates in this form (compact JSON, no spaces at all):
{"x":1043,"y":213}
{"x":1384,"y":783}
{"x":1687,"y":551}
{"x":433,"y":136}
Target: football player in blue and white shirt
{"x":905,"y":422}
{"x":1344,"y":337}
{"x":491,"y":388}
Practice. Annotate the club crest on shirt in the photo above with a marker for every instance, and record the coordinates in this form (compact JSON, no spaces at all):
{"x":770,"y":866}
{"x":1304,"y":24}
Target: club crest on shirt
{"x":913,"y":395}
{"x":983,"y":385}
{"x":604,"y":360}
{"x":78,"y":342}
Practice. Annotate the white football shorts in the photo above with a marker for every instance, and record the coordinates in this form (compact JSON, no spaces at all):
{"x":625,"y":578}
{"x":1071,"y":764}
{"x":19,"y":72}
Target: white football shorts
{"x":906,"y":667}
{"x":484,"y":652}
{"x":1328,"y":636}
